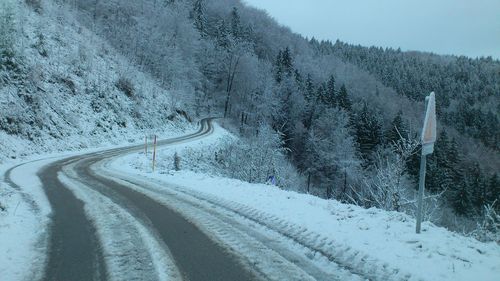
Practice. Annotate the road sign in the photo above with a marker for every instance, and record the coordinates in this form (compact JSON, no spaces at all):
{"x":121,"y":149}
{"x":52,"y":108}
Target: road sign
{"x":428,"y":136}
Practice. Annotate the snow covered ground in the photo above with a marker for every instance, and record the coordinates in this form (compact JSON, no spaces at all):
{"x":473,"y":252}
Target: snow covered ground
{"x":368,"y":242}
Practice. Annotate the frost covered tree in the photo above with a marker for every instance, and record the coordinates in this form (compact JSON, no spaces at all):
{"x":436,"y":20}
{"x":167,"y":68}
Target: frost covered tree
{"x":331,"y":153}
{"x":259,"y":157}
{"x":199,"y":17}
{"x":389,"y":185}
{"x":396,"y":130}
{"x":343,"y":100}
{"x":7,"y":37}
{"x":368,"y":131}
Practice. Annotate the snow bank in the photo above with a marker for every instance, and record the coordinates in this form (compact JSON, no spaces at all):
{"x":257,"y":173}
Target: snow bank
{"x":367,"y":238}
{"x":23,"y":226}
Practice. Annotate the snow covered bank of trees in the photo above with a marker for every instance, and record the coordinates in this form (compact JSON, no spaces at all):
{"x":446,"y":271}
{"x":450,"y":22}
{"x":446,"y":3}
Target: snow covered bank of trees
{"x":62,"y":87}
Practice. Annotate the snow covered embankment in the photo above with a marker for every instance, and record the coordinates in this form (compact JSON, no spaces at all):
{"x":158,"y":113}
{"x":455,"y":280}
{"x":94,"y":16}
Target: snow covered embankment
{"x":23,"y":223}
{"x":369,"y":242}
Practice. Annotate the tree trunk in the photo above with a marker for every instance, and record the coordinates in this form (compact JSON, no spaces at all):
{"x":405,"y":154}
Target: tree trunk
{"x":308,"y":182}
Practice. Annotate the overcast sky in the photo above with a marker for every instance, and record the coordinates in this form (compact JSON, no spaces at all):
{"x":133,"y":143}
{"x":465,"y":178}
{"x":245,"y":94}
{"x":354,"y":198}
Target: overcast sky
{"x":460,"y":27}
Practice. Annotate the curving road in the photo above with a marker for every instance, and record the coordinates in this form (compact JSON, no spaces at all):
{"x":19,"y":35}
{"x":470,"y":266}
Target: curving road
{"x":75,"y":252}
{"x":107,"y":225}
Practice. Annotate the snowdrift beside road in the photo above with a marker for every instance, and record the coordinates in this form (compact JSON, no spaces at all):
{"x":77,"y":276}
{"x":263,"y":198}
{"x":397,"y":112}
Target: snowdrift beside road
{"x":371,"y":241}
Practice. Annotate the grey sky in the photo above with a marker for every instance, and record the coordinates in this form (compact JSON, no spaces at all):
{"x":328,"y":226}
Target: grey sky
{"x":460,"y":27}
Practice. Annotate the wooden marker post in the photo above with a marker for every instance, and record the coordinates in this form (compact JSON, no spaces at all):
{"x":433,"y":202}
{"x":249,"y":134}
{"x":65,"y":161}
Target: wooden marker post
{"x":154,"y":153}
{"x":428,"y":138}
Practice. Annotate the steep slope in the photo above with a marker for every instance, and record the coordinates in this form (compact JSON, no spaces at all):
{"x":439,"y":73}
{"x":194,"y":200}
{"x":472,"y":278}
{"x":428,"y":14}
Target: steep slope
{"x":69,"y":88}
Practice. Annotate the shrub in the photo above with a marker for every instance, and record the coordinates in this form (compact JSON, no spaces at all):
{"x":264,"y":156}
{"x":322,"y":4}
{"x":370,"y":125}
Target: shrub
{"x":35,"y":4}
{"x":177,"y":162}
{"x":489,"y":229}
{"x":126,"y":86}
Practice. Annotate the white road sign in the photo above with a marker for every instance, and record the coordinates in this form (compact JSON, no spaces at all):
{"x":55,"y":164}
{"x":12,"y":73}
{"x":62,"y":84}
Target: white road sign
{"x":428,"y":136}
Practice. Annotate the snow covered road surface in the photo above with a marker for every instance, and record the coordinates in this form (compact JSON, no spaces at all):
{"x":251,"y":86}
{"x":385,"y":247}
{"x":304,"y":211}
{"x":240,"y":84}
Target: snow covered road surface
{"x":101,"y":231}
{"x":97,"y":233}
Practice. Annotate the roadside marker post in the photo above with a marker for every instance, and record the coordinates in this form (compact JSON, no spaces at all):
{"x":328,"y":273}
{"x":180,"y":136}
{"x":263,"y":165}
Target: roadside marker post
{"x":427,"y":139}
{"x":154,"y":152}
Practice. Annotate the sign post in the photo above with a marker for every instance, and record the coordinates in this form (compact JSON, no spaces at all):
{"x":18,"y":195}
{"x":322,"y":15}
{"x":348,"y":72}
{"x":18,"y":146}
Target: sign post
{"x":428,"y":138}
{"x":154,"y":153}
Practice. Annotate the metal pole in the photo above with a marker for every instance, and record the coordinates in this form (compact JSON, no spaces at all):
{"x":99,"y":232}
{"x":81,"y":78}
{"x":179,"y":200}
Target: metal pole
{"x":154,"y":153}
{"x":421,"y":186}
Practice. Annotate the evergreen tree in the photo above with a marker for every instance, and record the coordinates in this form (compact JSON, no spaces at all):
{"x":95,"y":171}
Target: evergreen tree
{"x":287,"y":61}
{"x":309,"y":89}
{"x":396,"y":130}
{"x":477,"y":186}
{"x":460,"y":200}
{"x":222,"y":36}
{"x":198,"y":15}
{"x":494,"y":191}
{"x":278,"y":75}
{"x":298,"y":78}
{"x":368,"y":132}
{"x":236,"y":29}
{"x":7,"y":37}
{"x":343,"y":99}
{"x":438,"y":167}
{"x":321,"y":93}
{"x":329,"y":97}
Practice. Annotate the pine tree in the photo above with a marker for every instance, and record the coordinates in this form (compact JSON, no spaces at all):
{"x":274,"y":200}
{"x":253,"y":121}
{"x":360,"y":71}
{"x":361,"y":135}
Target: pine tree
{"x":198,"y":15}
{"x":298,"y":78}
{"x":494,"y":191}
{"x":396,"y":130}
{"x":7,"y":37}
{"x":460,"y":199}
{"x":287,"y":61}
{"x":309,"y":94}
{"x":477,"y":186}
{"x":236,"y":29}
{"x":368,"y":132}
{"x":343,"y":99}
{"x":321,"y":93}
{"x":438,"y":168}
{"x":223,"y":35}
{"x":330,"y":99}
{"x":278,"y":75}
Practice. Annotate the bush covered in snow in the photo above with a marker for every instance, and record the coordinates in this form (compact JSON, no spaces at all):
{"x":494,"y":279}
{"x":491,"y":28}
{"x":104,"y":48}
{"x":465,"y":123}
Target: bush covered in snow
{"x":258,"y":159}
{"x":126,"y":86}
{"x":489,"y":228}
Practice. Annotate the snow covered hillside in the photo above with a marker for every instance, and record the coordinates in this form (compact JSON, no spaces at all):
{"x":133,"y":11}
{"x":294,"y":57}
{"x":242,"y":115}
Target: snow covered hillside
{"x":371,"y":242}
{"x":70,"y":89}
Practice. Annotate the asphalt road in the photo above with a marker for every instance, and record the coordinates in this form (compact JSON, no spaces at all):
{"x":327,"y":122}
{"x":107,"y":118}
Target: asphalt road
{"x":75,"y":252}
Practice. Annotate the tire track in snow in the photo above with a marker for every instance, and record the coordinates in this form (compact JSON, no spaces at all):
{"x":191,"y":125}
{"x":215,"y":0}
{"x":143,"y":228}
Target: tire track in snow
{"x":354,"y":261}
{"x":131,"y":251}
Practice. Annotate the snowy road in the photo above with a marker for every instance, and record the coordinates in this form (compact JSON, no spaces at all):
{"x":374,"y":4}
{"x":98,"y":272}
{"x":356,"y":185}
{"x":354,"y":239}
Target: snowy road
{"x":102,"y":230}
{"x":110,"y":226}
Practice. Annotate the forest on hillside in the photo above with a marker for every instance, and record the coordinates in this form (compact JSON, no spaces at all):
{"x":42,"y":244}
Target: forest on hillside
{"x":332,"y":119}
